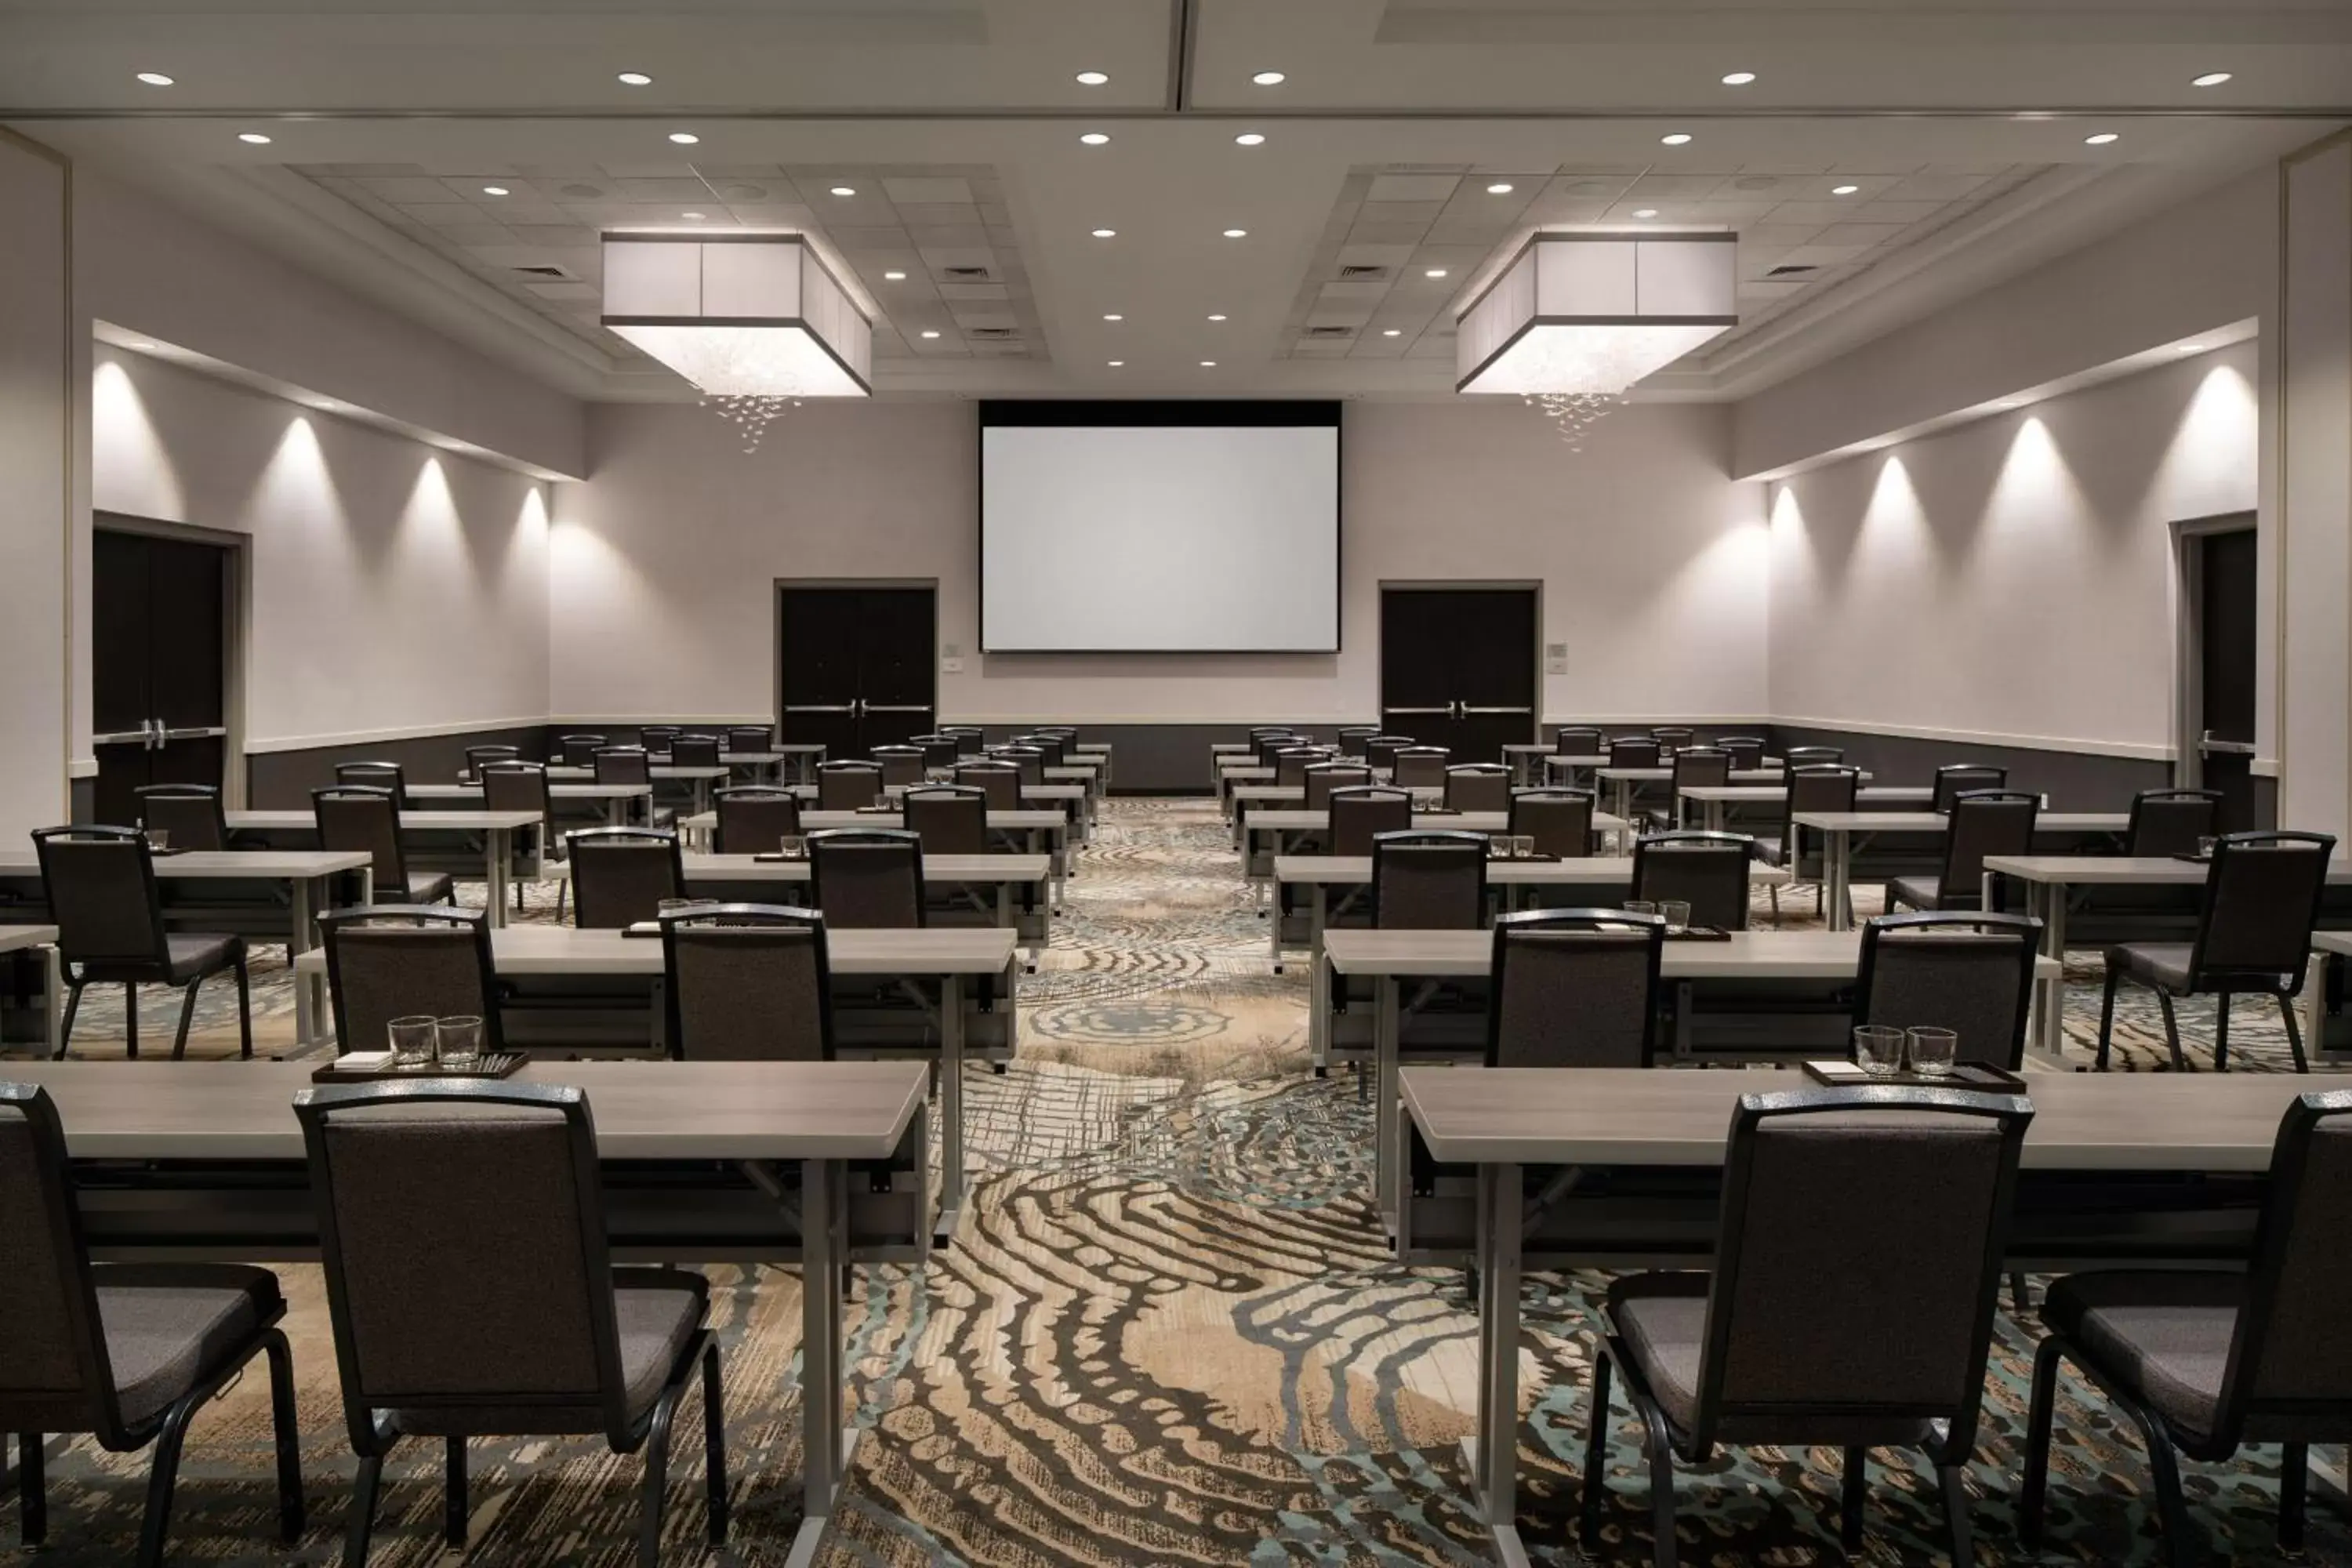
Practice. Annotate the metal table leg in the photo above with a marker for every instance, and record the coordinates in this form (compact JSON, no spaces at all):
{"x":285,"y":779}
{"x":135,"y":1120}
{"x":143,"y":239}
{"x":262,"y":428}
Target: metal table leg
{"x":825,"y":1447}
{"x":1385,"y":1162}
{"x":952,"y":1037}
{"x":1319,"y":982}
{"x":2050,"y":995}
{"x":1491,"y":1459}
{"x":498,"y":854}
{"x":53,"y":997}
{"x":1837,"y":870}
{"x":298,"y":942}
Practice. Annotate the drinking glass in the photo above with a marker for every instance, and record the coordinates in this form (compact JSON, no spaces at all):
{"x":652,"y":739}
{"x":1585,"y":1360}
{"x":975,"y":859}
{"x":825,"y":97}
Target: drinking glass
{"x":1523,"y":846}
{"x":159,"y":840}
{"x":1933,"y":1052}
{"x":458,"y":1041}
{"x":1879,"y":1048}
{"x":2205,"y":846}
{"x":411,"y":1039}
{"x":792,"y":847}
{"x":1498,"y":846}
{"x":672,"y":906}
{"x":1677,"y":914}
{"x":1640,"y":906}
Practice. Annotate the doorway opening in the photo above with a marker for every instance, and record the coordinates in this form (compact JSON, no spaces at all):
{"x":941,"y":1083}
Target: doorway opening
{"x":163,"y":658}
{"x":856,"y":664}
{"x":2215,"y":682}
{"x":1459,"y":664}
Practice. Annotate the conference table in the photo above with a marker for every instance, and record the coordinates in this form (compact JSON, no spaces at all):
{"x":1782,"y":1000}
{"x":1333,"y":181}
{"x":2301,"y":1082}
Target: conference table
{"x":1714,"y":801}
{"x":1575,"y":763}
{"x":613,"y":799}
{"x":1826,"y":959}
{"x":1042,"y":832}
{"x":1071,"y":800}
{"x":1839,"y":829}
{"x":701,"y":779}
{"x":496,"y":829}
{"x":187,"y":1160}
{"x":1281,"y":824}
{"x":42,"y":939}
{"x":748,"y":877}
{"x":946,"y":957}
{"x":2099,"y":1181}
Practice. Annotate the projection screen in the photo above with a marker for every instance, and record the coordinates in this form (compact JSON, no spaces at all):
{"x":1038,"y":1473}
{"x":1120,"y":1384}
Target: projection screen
{"x":1134,"y":527}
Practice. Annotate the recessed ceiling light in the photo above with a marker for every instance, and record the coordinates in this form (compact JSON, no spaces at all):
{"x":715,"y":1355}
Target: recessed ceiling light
{"x":931,"y":334}
{"x":1392,"y":332}
{"x":1114,"y":363}
{"x":253,"y":138}
{"x":1097,"y":139}
{"x":1236,"y":234}
{"x":1498,"y":189}
{"x":1739,"y":79}
{"x":1676,"y":139}
{"x":635,"y":79}
{"x":1092,"y":78}
{"x":157,"y":78}
{"x":1843,"y":190}
{"x":690,"y":214}
{"x":2211,"y":78}
{"x":1435,"y":272}
{"x":143,"y":346}
{"x":1218,"y":318}
{"x":894,"y":277}
{"x":1268,"y":78}
{"x":844,"y":190}
{"x":1645,"y":212}
{"x":1113,"y":316}
{"x":684,"y":138}
{"x":2102,"y":139}
{"x":1208,"y":364}
{"x":495,"y":191}
{"x":1250,"y":139}
{"x":1106,"y":234}
{"x":2191,"y":349}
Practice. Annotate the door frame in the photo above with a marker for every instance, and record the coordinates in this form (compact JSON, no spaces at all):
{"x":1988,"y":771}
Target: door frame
{"x":2189,"y":536}
{"x":776,"y":638}
{"x":1441,"y":584}
{"x":235,"y":628}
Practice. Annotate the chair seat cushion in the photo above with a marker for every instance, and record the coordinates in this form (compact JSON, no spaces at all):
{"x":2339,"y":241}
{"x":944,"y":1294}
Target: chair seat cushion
{"x":428,"y":888}
{"x":171,"y":1326}
{"x":657,"y":1310}
{"x":194,"y":954}
{"x":2159,"y":964}
{"x":2163,"y":1334}
{"x":1661,"y":1319}
{"x":1919,"y":892}
{"x":1769,"y":849}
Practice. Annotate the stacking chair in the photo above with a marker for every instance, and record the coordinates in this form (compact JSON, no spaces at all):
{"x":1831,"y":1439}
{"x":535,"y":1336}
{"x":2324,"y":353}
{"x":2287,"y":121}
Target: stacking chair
{"x":2206,"y":1362}
{"x":938,"y":752}
{"x":1708,"y":871}
{"x":1429,"y":880}
{"x":999,"y":782}
{"x":1321,"y":778}
{"x":1352,"y":738}
{"x":479,"y":757}
{"x":1290,"y":764}
{"x":366,"y":818}
{"x":1578,"y":741}
{"x":1795,"y":757}
{"x":99,"y":884}
{"x":1478,"y":786}
{"x":1696,"y":766}
{"x":1575,"y":988}
{"x":580,"y":751}
{"x":623,"y":765}
{"x":1027,"y":761}
{"x":1817,"y":786}
{"x":1418,"y":767}
{"x":1558,"y":820}
{"x":2170,"y":821}
{"x":867,"y":876}
{"x":754,"y":819}
{"x":750,"y":738}
{"x":1362,"y":813}
{"x":190,"y":813}
{"x":1983,"y":822}
{"x":1673,"y":737}
{"x":1380,"y":751}
{"x":499,"y":1317}
{"x":747,"y":983}
{"x":657,"y":738}
{"x":517,"y":785}
{"x":126,"y":1351}
{"x":1955,"y":779}
{"x":969,"y":742}
{"x":620,"y":875}
{"x":847,"y":785}
{"x":1747,"y":751}
{"x":1859,"y":1319}
{"x":694,"y":752}
{"x":900,"y":765}
{"x":1971,"y":973}
{"x":1267,"y":745}
{"x":375,"y":775}
{"x":1053,"y":747}
{"x":949,"y":819}
{"x":2253,"y":938}
{"x":1635,"y":752}
{"x":387,"y":962}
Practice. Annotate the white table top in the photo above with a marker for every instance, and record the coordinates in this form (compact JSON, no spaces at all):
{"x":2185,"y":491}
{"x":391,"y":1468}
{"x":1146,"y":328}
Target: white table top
{"x":555,"y":791}
{"x":2184,"y":1121}
{"x":1585,"y":759}
{"x":561,"y":949}
{"x":666,"y":1111}
{"x":1665,"y":776}
{"x":1305,"y":821}
{"x":1889,"y":794}
{"x":2121,"y":870}
{"x":813,"y":821}
{"x":1028,"y":792}
{"x":261,"y":865}
{"x":16,"y":939}
{"x":1749,"y":955}
{"x":658,"y":770}
{"x":936,"y":869}
{"x":410,"y":821}
{"x":1936,"y":822}
{"x":1591,"y":870}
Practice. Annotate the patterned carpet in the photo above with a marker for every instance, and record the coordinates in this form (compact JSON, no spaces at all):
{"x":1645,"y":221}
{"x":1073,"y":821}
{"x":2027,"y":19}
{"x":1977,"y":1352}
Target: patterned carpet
{"x":1169,"y":1333}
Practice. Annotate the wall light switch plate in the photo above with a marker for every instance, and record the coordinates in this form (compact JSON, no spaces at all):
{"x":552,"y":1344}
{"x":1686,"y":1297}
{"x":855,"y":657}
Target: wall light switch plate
{"x":1555,"y":667}
{"x":950,"y":650}
{"x":950,"y":666}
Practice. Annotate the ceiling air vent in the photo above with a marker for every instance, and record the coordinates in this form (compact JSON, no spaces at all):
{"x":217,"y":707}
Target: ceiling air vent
{"x":1331,"y":332}
{"x":545,"y":272}
{"x":1792,"y":271}
{"x":1362,"y":274}
{"x":969,"y":274}
{"x":992,"y":334}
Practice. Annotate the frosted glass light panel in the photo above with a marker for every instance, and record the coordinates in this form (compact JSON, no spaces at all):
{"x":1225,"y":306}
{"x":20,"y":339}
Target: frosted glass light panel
{"x":1596,"y":312}
{"x":751,"y":314}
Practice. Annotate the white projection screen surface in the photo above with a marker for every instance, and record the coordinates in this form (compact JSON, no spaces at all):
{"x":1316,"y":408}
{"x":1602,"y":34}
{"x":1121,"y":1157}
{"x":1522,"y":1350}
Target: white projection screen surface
{"x":1182,"y":527}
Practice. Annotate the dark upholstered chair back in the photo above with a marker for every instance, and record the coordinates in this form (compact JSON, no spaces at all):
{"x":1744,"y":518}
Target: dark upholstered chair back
{"x":1322,"y":778}
{"x":655,"y":738}
{"x":1000,"y":782}
{"x":1352,"y":737}
{"x":1971,"y":973}
{"x":515,"y":787}
{"x":190,"y":813}
{"x":969,"y":742}
{"x":1824,"y":787}
{"x":623,"y":765}
{"x":900,"y":764}
{"x":1857,"y":1257}
{"x":1984,"y":822}
{"x":55,"y":1375}
{"x":1478,"y":786}
{"x":863,"y":877}
{"x":748,"y":738}
{"x":620,"y":875}
{"x":366,"y":818}
{"x":1955,"y":779}
{"x":1362,"y":814}
{"x":1266,"y":744}
{"x":1027,"y":761}
{"x":375,"y":775}
{"x":1635,"y":752}
{"x":2262,"y":898}
{"x":2289,"y":1376}
{"x":1291,"y":763}
{"x":1747,"y":751}
{"x":950,"y":819}
{"x":847,"y":785}
{"x":1380,"y":751}
{"x":462,"y":1238}
{"x":1673,"y":737}
{"x":1429,"y":881}
{"x":1795,"y":757}
{"x":2171,"y":821}
{"x":100,"y":884}
{"x":1558,"y":820}
{"x":1053,"y":747}
{"x":1709,"y":871}
{"x":386,"y":962}
{"x":753,"y":819}
{"x":747,"y":983}
{"x":694,"y":751}
{"x":1574,"y":988}
{"x":479,"y":757}
{"x":1578,"y":741}
{"x":938,"y":750}
{"x":1701,"y":765}
{"x":580,"y":751}
{"x":1419,"y":767}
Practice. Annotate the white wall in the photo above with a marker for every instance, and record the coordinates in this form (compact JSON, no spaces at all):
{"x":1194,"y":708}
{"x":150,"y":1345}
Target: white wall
{"x":2011,"y":579}
{"x":396,"y":589}
{"x":35,"y":403}
{"x":664,"y":564}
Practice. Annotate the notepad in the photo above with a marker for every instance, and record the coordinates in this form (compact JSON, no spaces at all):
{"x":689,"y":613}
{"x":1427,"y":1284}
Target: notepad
{"x":364,"y":1061}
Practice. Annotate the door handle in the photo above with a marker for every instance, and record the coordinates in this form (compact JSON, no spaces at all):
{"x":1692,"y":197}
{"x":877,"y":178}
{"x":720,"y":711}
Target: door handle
{"x":154,"y":735}
{"x":2211,"y":747}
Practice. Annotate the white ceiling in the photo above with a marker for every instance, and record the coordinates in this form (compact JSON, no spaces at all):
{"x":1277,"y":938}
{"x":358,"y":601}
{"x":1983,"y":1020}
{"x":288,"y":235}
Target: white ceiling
{"x":957,"y":122}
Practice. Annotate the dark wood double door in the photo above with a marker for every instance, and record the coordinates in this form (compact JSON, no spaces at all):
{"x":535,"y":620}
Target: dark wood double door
{"x":858,"y":665}
{"x":1458,"y":667}
{"x":160,"y":618}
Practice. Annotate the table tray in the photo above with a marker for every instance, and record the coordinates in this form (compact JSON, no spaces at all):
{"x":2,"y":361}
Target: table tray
{"x":1970,"y":1076}
{"x":494,"y":1064}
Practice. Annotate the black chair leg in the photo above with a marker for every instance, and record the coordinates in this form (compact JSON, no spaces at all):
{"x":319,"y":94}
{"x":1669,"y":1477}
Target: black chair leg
{"x":650,"y":1521}
{"x":2293,"y":1032}
{"x":2020,"y":1295}
{"x":287,"y":1428}
{"x":2221,"y":1033}
{"x":2037,"y":1444}
{"x":32,"y":1489}
{"x":1955,"y":1513}
{"x":2107,"y":1016}
{"x":1855,"y":1481}
{"x":453,"y":1498}
{"x":2294,"y":1481}
{"x":2171,"y":1507}
{"x":243,"y":1010}
{"x":187,"y":1016}
{"x":130,"y":1019}
{"x":362,"y":1516}
{"x":163,"y":1477}
{"x":1663,"y":1552}
{"x":1590,"y":1488}
{"x":714,"y":1443}
{"x":2171,"y":1029}
{"x":64,"y":1029}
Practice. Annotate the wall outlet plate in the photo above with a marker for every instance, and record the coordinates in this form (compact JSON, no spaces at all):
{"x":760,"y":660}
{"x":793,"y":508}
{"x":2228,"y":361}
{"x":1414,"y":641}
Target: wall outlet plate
{"x":1555,"y":667}
{"x":950,"y":666}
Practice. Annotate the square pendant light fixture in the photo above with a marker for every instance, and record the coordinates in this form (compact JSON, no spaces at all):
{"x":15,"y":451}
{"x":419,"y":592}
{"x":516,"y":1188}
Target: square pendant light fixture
{"x":756,"y":315}
{"x":1596,"y":312}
